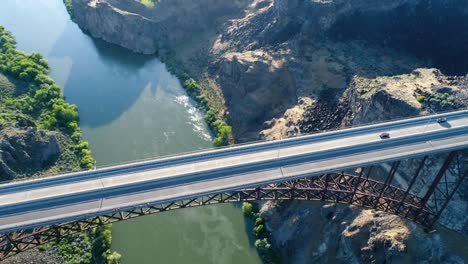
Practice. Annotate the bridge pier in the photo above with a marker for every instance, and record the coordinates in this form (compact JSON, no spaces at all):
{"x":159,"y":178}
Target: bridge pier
{"x":410,"y":186}
{"x":434,"y":184}
{"x":388,"y":180}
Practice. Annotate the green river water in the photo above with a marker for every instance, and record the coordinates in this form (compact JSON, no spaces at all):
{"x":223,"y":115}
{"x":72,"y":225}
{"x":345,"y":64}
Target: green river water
{"x":132,"y":108}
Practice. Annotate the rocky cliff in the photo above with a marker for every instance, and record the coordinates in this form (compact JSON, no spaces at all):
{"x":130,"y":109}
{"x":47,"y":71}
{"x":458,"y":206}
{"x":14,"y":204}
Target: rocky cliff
{"x":367,"y":236}
{"x":264,"y":56}
{"x":288,"y":67}
{"x":28,"y":149}
{"x":131,"y":25}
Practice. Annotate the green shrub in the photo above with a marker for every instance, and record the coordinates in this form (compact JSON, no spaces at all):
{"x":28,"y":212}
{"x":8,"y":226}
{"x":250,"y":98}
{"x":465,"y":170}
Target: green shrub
{"x":46,"y":94}
{"x":65,"y":113}
{"x":220,"y":128}
{"x":82,"y":145}
{"x":113,"y":258}
{"x":439,"y":101}
{"x":191,"y":86}
{"x":262,"y":245}
{"x":222,"y":135}
{"x":48,"y":122}
{"x":87,"y":161}
{"x":259,"y":231}
{"x":41,"y":247}
{"x":69,"y":7}
{"x":259,"y":221}
{"x":248,"y":210}
{"x":210,"y":116}
{"x":101,"y":246}
{"x":421,"y":98}
{"x":265,"y":250}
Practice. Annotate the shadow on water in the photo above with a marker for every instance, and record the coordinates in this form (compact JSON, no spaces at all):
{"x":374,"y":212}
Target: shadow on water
{"x":248,"y":226}
{"x":112,"y":54}
{"x":103,"y":79}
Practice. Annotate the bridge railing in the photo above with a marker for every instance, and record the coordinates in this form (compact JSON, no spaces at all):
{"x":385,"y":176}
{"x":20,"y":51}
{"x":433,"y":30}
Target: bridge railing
{"x":434,"y":115}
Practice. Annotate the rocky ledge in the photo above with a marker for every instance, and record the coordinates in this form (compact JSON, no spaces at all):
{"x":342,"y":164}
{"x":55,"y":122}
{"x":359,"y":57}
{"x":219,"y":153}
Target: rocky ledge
{"x":265,"y":56}
{"x":288,"y":67}
{"x":23,"y":149}
{"x":322,"y":233}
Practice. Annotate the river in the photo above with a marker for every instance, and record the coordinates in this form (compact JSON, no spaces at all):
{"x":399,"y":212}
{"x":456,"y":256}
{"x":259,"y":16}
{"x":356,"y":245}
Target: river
{"x":132,"y":108}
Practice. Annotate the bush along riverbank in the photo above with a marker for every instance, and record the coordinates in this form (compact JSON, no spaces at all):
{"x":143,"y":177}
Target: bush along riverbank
{"x":91,"y":246}
{"x":207,"y":99}
{"x":262,"y":235}
{"x":221,"y":130}
{"x":31,"y":101}
{"x":38,"y":100}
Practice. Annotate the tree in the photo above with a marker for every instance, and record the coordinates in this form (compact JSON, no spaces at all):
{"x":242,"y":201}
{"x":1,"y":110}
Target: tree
{"x":248,"y":209}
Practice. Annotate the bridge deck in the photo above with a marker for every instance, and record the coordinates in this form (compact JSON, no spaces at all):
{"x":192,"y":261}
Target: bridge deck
{"x":77,"y":196}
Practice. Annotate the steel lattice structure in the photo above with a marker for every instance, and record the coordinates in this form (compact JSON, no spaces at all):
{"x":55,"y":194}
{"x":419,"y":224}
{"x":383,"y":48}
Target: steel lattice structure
{"x":359,"y":189}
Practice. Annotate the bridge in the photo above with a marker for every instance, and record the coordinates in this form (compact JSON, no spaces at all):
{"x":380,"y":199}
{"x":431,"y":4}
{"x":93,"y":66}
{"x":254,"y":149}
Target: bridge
{"x":413,"y":174}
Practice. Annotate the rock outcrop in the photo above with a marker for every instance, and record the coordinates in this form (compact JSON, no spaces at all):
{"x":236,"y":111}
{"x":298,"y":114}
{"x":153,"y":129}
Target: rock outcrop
{"x":131,"y":25}
{"x":367,"y":236}
{"x":326,"y":233}
{"x":400,"y":96}
{"x":288,"y":67}
{"x":26,"y":150}
{"x":263,"y":56}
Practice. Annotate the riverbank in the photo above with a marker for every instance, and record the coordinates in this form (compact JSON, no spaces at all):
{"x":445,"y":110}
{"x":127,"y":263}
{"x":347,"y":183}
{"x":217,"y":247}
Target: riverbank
{"x":288,"y":67}
{"x":131,"y":108}
{"x":34,"y":111}
{"x":39,"y":135}
{"x":258,"y":60}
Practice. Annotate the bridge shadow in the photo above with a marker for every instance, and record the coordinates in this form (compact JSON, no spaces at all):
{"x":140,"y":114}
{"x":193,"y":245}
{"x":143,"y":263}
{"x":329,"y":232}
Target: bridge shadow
{"x":248,"y":226}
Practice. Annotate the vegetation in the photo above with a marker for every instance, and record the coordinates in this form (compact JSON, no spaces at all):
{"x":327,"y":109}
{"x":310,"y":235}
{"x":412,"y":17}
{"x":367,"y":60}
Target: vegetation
{"x":219,"y":127}
{"x":101,"y":246}
{"x":91,"y":246}
{"x":262,"y":243}
{"x":420,"y":98}
{"x":208,"y":99}
{"x":69,"y":7}
{"x":149,"y":3}
{"x":41,"y":103}
{"x":439,"y":101}
{"x":443,"y":101}
{"x":248,"y":210}
{"x":29,"y":97}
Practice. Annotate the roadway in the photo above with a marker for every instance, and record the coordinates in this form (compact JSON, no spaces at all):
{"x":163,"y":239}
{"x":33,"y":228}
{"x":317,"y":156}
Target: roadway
{"x":76,"y":196}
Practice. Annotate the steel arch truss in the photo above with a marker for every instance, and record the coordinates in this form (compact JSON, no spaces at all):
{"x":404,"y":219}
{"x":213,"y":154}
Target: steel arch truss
{"x":359,"y":190}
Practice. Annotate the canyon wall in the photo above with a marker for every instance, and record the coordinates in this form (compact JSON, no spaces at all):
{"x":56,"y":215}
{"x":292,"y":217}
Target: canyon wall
{"x":289,"y":67}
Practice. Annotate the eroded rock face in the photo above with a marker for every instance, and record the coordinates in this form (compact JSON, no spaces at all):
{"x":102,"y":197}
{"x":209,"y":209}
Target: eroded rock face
{"x":30,"y":148}
{"x":400,"y":96}
{"x":313,"y":232}
{"x":131,"y":25}
{"x":309,"y":233}
{"x":264,"y":55}
{"x":353,"y":61}
{"x":292,"y":36}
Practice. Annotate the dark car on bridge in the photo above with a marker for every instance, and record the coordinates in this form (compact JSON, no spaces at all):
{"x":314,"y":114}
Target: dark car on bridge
{"x":384,"y":135}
